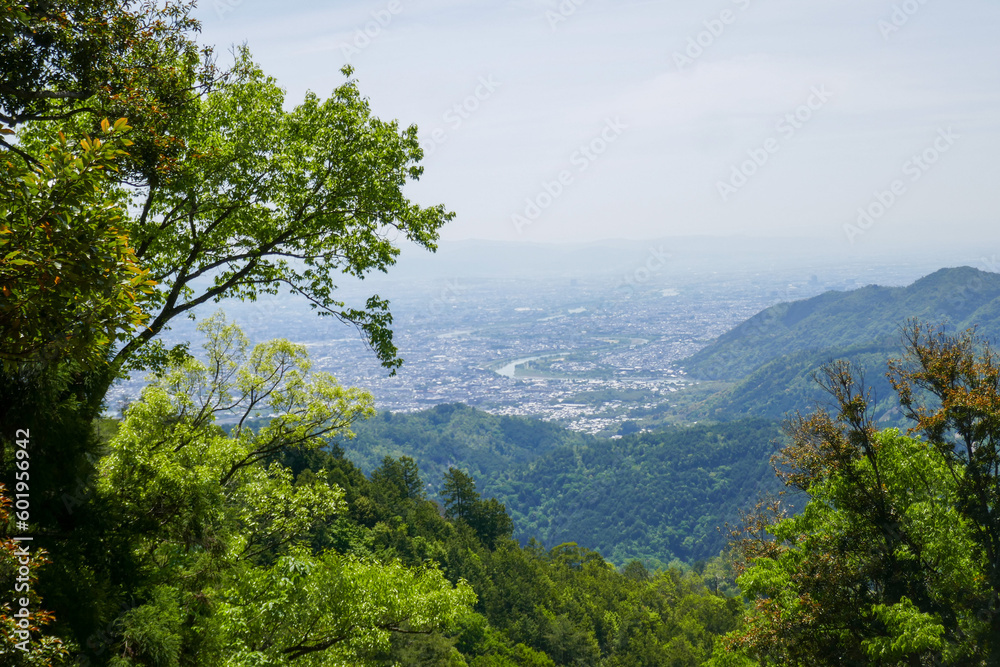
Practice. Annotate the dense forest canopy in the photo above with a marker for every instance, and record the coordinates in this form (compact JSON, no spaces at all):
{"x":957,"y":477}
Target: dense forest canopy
{"x":230,"y":518}
{"x":655,"y":496}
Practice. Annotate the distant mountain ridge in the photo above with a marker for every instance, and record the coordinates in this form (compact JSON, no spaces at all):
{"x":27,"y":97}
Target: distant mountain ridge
{"x":775,"y":355}
{"x":609,"y":258}
{"x":958,"y":297}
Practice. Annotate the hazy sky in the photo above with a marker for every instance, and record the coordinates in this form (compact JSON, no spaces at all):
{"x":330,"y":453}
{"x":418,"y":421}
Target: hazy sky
{"x":585,"y":119}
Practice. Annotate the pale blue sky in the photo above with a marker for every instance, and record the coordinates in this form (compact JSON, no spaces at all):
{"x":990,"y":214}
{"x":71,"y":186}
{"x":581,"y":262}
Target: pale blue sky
{"x":672,"y":132}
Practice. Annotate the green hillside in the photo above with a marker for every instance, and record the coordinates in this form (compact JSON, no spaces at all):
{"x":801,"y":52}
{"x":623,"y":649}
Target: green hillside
{"x":654,"y":496}
{"x":837,"y":321}
{"x":455,"y":435}
{"x":787,"y":384}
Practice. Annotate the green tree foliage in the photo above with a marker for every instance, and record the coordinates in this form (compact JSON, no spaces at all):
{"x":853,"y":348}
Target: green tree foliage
{"x":537,"y":607}
{"x":332,"y":610}
{"x":459,"y":495}
{"x":218,"y":531}
{"x":655,"y":496}
{"x":836,"y":584}
{"x":892,"y":562}
{"x":69,"y":281}
{"x":488,"y":518}
{"x":572,"y":605}
{"x":68,"y":266}
{"x":222,"y":192}
{"x":401,"y":476}
{"x":78,"y":61}
{"x":70,"y":289}
{"x":266,"y":198}
{"x":65,"y":66}
{"x":22,"y":643}
{"x":230,"y":194}
{"x":949,"y":385}
{"x":788,"y":384}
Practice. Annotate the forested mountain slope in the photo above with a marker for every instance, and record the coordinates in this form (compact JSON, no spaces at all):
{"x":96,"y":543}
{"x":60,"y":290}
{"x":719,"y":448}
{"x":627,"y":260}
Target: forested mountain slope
{"x":534,"y":607}
{"x":835,"y":321}
{"x":478,"y":442}
{"x":655,"y":496}
{"x":788,"y":384}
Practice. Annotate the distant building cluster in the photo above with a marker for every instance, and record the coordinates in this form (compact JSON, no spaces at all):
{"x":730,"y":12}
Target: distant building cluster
{"x":575,"y":351}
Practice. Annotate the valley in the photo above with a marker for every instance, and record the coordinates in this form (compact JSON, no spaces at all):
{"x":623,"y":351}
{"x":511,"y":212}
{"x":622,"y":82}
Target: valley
{"x":588,"y":349}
